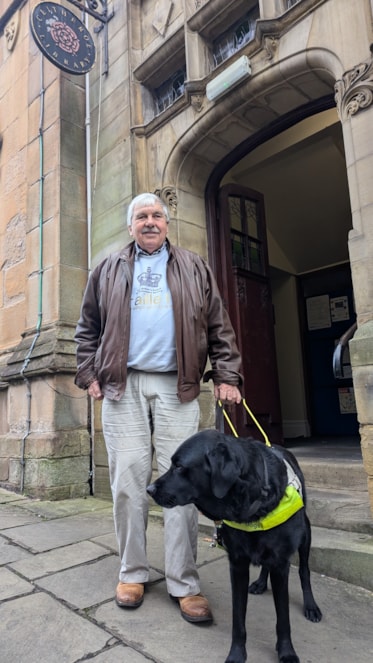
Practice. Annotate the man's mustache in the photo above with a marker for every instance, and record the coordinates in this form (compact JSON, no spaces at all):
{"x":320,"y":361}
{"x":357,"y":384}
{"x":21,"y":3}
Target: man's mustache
{"x":150,"y":230}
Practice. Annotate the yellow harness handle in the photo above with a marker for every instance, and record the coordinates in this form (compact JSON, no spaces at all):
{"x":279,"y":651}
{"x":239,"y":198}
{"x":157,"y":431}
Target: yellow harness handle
{"x":268,"y":444}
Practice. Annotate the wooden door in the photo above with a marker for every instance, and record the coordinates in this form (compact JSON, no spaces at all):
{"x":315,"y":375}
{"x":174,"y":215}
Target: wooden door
{"x":247,"y":293}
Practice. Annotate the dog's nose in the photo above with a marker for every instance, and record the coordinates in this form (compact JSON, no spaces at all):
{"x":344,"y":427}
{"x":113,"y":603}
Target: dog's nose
{"x":151,"y":489}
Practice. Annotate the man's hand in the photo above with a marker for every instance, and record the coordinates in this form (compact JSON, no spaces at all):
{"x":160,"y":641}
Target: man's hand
{"x":94,"y":390}
{"x":227,"y":393}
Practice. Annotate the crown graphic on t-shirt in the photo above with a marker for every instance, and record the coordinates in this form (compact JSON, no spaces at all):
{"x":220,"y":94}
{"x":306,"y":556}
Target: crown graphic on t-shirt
{"x":149,"y":279}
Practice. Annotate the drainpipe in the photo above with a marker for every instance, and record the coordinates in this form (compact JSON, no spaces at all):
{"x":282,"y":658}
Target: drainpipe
{"x":90,"y":198}
{"x":40,"y":272}
{"x":90,"y":412}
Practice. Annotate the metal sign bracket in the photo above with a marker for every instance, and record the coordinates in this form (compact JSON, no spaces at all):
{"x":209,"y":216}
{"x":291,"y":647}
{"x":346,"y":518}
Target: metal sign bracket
{"x":91,"y":7}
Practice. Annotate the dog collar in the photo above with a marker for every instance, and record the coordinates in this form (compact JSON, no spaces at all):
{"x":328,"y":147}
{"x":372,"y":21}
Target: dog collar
{"x":290,"y":503}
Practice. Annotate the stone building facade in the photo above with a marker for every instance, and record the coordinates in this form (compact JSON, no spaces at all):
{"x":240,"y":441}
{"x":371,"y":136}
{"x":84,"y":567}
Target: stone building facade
{"x":252,"y":120}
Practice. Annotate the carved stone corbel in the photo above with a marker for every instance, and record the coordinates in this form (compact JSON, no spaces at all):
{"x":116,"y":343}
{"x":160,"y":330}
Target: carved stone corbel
{"x":270,"y":44}
{"x":169,"y":196}
{"x":354,"y":91}
{"x":11,"y":31}
{"x":196,"y":101}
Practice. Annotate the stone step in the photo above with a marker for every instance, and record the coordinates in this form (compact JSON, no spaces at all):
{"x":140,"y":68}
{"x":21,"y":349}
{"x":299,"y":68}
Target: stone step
{"x":331,"y":464}
{"x":334,"y":474}
{"x":340,"y":509}
{"x":343,"y":555}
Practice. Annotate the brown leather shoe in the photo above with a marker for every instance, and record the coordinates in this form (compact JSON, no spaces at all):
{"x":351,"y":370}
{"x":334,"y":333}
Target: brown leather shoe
{"x":129,"y":594}
{"x":194,"y":609}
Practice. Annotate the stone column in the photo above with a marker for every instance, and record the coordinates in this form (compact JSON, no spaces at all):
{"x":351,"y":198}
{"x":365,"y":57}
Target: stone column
{"x":44,"y":442}
{"x":354,"y":97}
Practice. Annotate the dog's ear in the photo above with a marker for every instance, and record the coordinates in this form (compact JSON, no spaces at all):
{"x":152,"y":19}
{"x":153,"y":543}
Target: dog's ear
{"x":224,"y":469}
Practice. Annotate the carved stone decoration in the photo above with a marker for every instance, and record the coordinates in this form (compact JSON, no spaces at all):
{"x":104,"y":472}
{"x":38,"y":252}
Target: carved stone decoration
{"x":11,"y":31}
{"x":161,"y":16}
{"x":169,"y":196}
{"x":270,"y":45}
{"x":354,"y":91}
{"x":196,"y":101}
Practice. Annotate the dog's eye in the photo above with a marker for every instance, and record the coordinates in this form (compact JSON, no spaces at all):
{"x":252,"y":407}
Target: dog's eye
{"x":179,"y":467}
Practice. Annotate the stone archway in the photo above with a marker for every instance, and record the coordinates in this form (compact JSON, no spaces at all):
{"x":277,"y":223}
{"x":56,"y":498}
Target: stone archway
{"x":257,"y":106}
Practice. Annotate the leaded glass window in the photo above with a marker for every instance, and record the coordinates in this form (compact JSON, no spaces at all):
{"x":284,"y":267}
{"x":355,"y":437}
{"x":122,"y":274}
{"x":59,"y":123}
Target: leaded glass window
{"x":167,"y":93}
{"x":247,"y":247}
{"x":239,"y":34}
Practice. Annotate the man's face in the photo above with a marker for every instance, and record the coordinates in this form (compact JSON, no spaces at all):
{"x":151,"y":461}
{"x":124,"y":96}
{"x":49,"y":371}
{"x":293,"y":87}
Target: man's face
{"x":149,"y":227}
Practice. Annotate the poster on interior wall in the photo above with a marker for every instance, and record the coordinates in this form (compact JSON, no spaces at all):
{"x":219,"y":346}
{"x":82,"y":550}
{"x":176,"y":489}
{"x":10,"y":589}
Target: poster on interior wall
{"x":339,"y":308}
{"x":347,"y":404}
{"x":62,"y":38}
{"x":318,"y":312}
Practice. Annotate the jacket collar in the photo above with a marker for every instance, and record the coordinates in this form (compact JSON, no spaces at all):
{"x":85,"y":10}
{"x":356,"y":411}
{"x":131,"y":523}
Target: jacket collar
{"x":130,"y":250}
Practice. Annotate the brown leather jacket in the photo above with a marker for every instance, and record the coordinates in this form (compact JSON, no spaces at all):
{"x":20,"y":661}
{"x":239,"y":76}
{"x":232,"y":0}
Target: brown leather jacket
{"x":202,"y":325}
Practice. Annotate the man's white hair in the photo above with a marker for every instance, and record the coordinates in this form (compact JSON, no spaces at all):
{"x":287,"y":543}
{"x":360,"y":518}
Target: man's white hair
{"x":146,"y":199}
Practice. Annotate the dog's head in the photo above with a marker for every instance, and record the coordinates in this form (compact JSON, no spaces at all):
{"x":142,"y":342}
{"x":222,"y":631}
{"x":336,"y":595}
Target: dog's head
{"x":203,"y":470}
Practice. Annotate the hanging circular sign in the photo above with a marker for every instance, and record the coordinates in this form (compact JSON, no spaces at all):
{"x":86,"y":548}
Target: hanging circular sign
{"x":62,"y":38}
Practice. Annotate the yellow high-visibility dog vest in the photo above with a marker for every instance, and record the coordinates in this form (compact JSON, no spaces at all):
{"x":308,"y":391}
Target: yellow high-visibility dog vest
{"x":290,"y":503}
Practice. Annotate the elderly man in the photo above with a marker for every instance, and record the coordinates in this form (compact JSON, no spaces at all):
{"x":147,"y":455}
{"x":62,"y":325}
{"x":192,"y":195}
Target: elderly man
{"x":150,"y":317}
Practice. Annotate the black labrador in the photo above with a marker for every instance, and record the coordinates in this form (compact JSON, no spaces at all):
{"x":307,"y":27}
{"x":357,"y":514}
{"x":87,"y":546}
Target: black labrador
{"x":242,"y":480}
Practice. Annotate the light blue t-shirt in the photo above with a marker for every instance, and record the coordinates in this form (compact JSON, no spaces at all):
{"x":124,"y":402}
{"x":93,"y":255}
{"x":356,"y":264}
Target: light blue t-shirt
{"x":152,"y":333}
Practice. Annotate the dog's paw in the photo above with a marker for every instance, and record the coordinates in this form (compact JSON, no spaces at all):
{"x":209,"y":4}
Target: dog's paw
{"x":286,"y":653}
{"x":237,"y":654}
{"x":313,"y":613}
{"x":258,"y":587}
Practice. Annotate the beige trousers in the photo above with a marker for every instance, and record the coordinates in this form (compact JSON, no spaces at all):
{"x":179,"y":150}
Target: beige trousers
{"x":149,"y":417}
